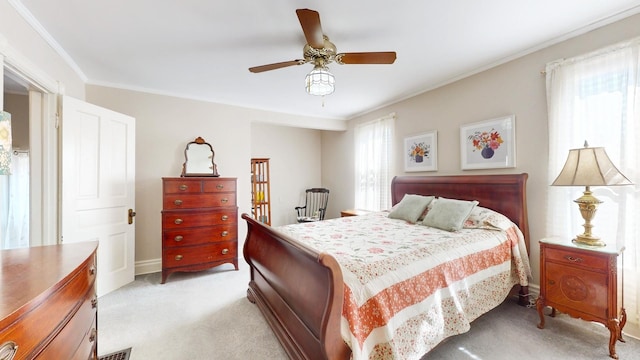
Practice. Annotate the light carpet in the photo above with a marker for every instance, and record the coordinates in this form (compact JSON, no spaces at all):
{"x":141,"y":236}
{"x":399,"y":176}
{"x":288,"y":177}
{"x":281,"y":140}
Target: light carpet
{"x":206,"y":315}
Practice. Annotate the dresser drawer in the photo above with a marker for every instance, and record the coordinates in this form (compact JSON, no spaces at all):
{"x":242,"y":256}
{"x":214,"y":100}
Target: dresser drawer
{"x":192,"y":255}
{"x":191,"y":201}
{"x":88,"y":348}
{"x":67,"y":343}
{"x":581,"y":290}
{"x":185,"y":219}
{"x":200,"y":235}
{"x":219,"y":185}
{"x":195,"y":185}
{"x":575,"y":258}
{"x":182,"y":186}
{"x":47,"y":316}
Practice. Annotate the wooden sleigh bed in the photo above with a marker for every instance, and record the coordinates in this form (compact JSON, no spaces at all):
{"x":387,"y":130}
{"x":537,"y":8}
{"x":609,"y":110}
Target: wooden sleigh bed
{"x":300,"y":291}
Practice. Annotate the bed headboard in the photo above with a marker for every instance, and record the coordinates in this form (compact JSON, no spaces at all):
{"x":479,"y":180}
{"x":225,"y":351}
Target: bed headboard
{"x":505,"y":194}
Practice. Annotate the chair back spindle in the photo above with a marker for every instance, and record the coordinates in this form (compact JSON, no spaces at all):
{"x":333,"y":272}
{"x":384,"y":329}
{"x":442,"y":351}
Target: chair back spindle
{"x":315,"y":207}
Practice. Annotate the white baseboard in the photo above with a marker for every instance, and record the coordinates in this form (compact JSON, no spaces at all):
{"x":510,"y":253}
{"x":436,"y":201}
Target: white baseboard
{"x":148,"y":266}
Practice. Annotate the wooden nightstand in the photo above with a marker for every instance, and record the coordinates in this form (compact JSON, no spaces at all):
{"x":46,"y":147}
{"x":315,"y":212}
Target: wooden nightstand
{"x":353,"y":212}
{"x":582,"y":282}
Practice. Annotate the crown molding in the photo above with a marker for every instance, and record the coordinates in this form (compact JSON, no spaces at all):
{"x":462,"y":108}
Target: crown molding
{"x":37,"y":26}
{"x":26,"y":70}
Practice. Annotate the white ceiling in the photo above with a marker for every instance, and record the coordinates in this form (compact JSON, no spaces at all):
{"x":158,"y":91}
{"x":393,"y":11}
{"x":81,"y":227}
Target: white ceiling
{"x":202,"y":49}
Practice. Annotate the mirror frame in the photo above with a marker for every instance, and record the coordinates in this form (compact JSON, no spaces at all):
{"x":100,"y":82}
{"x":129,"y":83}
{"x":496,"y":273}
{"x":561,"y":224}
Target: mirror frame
{"x":200,"y":142}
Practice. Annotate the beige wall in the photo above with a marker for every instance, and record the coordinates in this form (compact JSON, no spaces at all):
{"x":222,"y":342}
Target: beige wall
{"x":517,"y":87}
{"x":294,"y":165}
{"x":164,"y":125}
{"x":18,"y":107}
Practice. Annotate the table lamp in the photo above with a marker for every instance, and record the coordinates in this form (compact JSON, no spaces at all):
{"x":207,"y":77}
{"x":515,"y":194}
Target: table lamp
{"x":589,"y":166}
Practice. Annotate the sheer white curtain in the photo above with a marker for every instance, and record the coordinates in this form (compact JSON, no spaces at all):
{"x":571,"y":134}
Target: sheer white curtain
{"x":373,"y":157}
{"x":14,"y":203}
{"x":596,"y":97}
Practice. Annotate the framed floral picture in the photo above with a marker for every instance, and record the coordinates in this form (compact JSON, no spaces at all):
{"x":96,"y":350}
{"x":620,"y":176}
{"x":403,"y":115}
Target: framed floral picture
{"x":489,"y":144}
{"x":421,"y":152}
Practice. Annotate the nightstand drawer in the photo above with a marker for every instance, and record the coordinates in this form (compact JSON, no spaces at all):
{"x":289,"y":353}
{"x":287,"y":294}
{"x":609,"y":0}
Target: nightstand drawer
{"x":575,"y":258}
{"x":583,"y":291}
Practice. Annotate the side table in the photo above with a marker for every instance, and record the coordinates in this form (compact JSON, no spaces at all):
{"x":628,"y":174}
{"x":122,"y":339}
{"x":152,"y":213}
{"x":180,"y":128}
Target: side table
{"x":582,"y":281}
{"x":353,"y":212}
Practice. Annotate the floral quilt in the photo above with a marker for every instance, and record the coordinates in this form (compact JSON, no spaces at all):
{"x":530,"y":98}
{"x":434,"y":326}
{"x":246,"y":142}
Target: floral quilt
{"x":409,"y":286}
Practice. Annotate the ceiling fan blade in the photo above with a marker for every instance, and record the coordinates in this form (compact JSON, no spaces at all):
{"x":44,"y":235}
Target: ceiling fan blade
{"x":384,"y":57}
{"x":310,"y":22}
{"x":258,"y":69}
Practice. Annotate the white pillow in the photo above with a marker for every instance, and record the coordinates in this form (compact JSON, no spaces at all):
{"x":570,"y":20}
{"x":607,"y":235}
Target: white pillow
{"x":483,"y":218}
{"x":448,"y":214}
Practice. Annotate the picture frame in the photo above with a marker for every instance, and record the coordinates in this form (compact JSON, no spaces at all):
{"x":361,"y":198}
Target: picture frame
{"x":421,"y":152}
{"x":489,"y":144}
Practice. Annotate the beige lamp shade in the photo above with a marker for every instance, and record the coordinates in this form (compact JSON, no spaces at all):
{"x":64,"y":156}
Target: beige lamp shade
{"x":590,"y":166}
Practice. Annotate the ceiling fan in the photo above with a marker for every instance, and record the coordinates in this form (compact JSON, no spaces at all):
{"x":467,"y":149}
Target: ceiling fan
{"x":320,"y":51}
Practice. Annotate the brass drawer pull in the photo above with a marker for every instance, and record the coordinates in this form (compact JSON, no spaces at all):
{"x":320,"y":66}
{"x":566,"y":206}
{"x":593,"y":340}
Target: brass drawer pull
{"x":178,"y":221}
{"x":178,"y":202}
{"x":92,"y":271}
{"x":573,"y":259}
{"x":94,"y":303}
{"x":225,"y":233}
{"x":183,"y":187}
{"x":178,"y":238}
{"x":219,"y":186}
{"x":224,"y":200}
{"x":178,"y":257}
{"x":225,"y":218}
{"x":225,"y":251}
{"x":8,"y":350}
{"x":93,"y":336}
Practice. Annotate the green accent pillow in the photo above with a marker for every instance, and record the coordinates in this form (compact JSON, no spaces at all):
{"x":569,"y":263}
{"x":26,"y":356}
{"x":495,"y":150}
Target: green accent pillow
{"x":448,"y":214}
{"x":411,"y":207}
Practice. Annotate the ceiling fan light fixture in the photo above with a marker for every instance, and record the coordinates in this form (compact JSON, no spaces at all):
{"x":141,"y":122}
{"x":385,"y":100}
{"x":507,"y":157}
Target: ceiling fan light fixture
{"x":320,"y":81}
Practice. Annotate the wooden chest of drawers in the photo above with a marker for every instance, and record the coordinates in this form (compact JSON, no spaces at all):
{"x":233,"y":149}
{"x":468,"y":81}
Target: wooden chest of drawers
{"x":48,"y":307}
{"x":582,"y":282}
{"x":199,"y":223}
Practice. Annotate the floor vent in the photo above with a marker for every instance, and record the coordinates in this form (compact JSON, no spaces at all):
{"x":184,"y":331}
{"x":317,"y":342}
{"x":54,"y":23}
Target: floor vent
{"x":118,"y":355}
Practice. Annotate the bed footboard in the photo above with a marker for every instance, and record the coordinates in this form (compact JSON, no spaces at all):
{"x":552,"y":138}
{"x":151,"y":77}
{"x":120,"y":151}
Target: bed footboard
{"x":298,"y":290}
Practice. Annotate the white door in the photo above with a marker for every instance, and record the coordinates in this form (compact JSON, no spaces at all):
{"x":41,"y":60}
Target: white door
{"x":98,"y":173}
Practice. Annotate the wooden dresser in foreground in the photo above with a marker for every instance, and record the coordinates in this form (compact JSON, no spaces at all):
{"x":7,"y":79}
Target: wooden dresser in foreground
{"x":48,"y":304}
{"x":582,"y":282}
{"x":199,"y":223}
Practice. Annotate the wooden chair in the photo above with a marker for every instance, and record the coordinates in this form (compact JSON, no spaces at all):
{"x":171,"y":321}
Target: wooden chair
{"x":315,"y":205}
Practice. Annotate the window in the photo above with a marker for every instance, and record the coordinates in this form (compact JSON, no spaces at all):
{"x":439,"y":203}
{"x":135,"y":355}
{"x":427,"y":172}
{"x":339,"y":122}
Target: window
{"x":595,"y":97}
{"x":373,"y":163}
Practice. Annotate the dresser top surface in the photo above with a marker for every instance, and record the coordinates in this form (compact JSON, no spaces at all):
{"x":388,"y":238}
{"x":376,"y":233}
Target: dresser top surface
{"x":27,"y":273}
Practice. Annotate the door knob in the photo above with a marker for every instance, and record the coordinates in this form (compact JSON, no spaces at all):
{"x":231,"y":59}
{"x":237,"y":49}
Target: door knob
{"x":131,"y":215}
